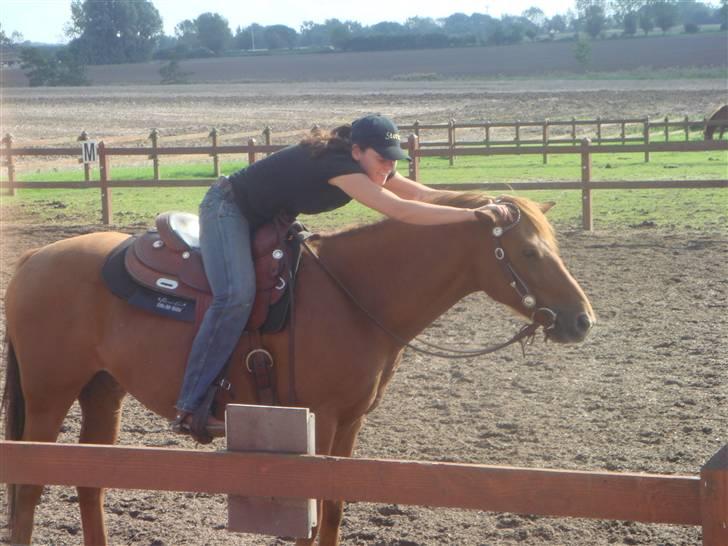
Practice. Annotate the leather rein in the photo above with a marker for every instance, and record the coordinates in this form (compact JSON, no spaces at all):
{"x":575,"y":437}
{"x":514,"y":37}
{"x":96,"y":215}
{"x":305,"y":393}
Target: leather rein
{"x":541,"y":317}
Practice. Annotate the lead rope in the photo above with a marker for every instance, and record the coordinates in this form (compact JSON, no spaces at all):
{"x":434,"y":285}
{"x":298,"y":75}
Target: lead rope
{"x":525,"y":335}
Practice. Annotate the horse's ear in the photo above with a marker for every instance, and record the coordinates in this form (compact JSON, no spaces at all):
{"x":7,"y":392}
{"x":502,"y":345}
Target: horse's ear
{"x":547,"y":206}
{"x":486,"y":217}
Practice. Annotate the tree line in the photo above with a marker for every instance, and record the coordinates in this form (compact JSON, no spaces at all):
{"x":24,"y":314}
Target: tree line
{"x":128,"y":31}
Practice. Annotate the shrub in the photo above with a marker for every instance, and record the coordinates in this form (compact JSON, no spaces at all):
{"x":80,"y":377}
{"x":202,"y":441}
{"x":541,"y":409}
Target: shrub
{"x":692,"y":28}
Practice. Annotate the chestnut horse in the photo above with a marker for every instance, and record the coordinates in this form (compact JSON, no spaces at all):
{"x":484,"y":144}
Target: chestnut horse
{"x":70,"y":339}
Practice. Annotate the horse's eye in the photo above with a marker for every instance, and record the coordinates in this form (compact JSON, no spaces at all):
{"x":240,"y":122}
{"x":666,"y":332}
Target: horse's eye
{"x":530,"y":252}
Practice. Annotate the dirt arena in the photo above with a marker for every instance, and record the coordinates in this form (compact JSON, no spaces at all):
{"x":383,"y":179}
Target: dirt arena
{"x":646,"y":392}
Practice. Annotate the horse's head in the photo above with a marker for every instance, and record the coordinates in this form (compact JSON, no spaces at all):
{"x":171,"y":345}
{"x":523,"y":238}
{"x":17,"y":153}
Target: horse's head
{"x":524,"y":270}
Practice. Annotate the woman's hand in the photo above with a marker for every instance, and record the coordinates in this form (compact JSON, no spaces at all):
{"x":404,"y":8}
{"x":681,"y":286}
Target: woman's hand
{"x":499,"y":210}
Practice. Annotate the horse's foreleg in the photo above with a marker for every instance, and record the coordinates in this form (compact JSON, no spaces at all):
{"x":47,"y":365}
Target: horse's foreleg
{"x":333,"y":511}
{"x":101,"y":409}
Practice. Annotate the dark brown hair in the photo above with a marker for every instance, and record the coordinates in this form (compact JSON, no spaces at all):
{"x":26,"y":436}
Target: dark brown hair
{"x":338,"y":140}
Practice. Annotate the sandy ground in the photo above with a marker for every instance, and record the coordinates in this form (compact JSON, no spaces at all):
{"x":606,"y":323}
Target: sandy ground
{"x":646,"y":392}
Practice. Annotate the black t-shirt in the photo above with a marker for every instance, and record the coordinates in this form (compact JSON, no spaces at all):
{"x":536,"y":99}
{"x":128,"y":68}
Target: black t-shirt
{"x":292,"y":181}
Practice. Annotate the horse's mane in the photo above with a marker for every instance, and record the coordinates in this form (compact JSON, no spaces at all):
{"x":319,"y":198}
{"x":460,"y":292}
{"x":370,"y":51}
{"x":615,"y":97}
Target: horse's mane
{"x":529,"y":209}
{"x":472,"y":200}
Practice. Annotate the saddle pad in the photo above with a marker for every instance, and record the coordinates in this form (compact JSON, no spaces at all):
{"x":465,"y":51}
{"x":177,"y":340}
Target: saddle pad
{"x":122,"y":285}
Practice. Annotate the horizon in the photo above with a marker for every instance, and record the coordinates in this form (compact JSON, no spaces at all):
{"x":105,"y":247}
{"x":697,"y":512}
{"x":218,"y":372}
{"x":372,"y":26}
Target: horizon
{"x":49,"y":29}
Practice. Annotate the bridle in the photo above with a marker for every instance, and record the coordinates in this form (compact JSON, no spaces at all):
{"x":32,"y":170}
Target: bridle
{"x":544,"y":316}
{"x":541,"y":317}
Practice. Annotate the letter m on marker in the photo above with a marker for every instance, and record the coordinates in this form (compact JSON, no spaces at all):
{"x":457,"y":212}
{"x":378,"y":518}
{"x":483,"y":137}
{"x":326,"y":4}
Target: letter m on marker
{"x":89,"y":151}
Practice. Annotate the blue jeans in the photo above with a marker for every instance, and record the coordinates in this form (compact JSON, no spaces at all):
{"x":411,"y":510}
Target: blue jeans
{"x":226,"y":255}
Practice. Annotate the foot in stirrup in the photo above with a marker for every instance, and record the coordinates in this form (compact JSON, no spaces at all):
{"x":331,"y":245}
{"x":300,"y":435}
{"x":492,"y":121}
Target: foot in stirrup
{"x":202,"y":427}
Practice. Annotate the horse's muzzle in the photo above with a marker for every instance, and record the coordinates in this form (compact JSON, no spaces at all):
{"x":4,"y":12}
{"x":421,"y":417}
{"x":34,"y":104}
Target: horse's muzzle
{"x":570,"y":327}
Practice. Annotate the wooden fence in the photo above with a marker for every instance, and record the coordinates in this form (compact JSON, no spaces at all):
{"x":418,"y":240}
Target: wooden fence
{"x":627,"y":130}
{"x":586,"y":149}
{"x":684,"y":500}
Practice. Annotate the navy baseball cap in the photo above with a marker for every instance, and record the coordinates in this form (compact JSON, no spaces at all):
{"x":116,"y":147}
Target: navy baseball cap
{"x":380,"y":133}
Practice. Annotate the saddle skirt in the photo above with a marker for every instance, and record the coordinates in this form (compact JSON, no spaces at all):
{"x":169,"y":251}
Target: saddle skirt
{"x":167,"y":261}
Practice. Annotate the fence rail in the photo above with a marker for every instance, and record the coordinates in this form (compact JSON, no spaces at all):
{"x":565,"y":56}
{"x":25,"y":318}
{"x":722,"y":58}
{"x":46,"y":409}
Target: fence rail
{"x":684,"y":500}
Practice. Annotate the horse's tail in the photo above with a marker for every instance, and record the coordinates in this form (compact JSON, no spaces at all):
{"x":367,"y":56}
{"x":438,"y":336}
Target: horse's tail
{"x":13,"y":405}
{"x":13,"y":401}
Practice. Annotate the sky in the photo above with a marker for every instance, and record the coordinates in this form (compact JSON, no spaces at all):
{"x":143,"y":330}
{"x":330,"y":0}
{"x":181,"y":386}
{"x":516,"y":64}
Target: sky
{"x":43,"y":20}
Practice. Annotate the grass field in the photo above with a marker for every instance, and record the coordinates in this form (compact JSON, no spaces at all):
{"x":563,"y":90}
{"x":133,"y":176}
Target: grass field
{"x":704,"y":209}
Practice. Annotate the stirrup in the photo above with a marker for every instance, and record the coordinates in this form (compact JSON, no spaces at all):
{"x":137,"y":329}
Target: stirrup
{"x":194,"y":425}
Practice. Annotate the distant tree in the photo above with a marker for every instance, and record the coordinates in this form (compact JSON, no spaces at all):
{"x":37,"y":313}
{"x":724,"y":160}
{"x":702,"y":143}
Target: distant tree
{"x":213,"y":32}
{"x":172,"y":73}
{"x":582,"y":52}
{"x":508,"y":30}
{"x":620,"y":8}
{"x":536,"y":16}
{"x":645,"y":20}
{"x":422,"y":25}
{"x":280,"y":37}
{"x":723,"y":11}
{"x":665,"y":13}
{"x":251,"y":37}
{"x":387,"y":27}
{"x":339,"y":33}
{"x":313,"y":34}
{"x":186,"y":33}
{"x":557,"y":24}
{"x":113,"y":31}
{"x":629,"y":23}
{"x":482,"y":26}
{"x":457,"y":23}
{"x":692,"y":11}
{"x":52,"y":68}
{"x":594,"y":19}
{"x":15,"y":38}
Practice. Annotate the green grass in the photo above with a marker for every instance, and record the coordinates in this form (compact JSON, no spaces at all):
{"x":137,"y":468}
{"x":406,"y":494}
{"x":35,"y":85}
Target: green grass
{"x":700,"y":209}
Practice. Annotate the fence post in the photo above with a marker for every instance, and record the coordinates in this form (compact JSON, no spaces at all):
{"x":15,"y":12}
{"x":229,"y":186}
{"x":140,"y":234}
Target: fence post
{"x":154,"y":136}
{"x":599,"y":129}
{"x":623,"y":133}
{"x":266,"y":136}
{"x":586,"y":172}
{"x":105,"y":176}
{"x":451,"y":139}
{"x":487,"y":134}
{"x":518,"y":133}
{"x":215,"y":157}
{"x":10,"y":163}
{"x":714,"y":499}
{"x":545,"y":138}
{"x":413,"y":146}
{"x":687,"y":129}
{"x":573,"y":131}
{"x":83,"y":137}
{"x":646,"y":138}
{"x":667,"y":129}
{"x":251,"y":152}
{"x":416,"y":128}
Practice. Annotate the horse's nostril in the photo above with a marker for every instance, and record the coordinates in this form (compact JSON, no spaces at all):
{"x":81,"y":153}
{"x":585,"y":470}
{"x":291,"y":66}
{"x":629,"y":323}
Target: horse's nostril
{"x":583,"y":322}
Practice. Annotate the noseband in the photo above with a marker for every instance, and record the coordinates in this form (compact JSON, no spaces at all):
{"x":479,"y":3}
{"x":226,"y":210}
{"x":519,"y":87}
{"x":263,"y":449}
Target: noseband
{"x":541,"y":317}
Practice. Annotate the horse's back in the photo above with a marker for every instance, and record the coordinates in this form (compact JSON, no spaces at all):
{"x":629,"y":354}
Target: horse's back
{"x":52,"y":303}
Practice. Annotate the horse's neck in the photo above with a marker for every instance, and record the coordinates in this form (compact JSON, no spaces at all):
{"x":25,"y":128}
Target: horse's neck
{"x":406,"y":276}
